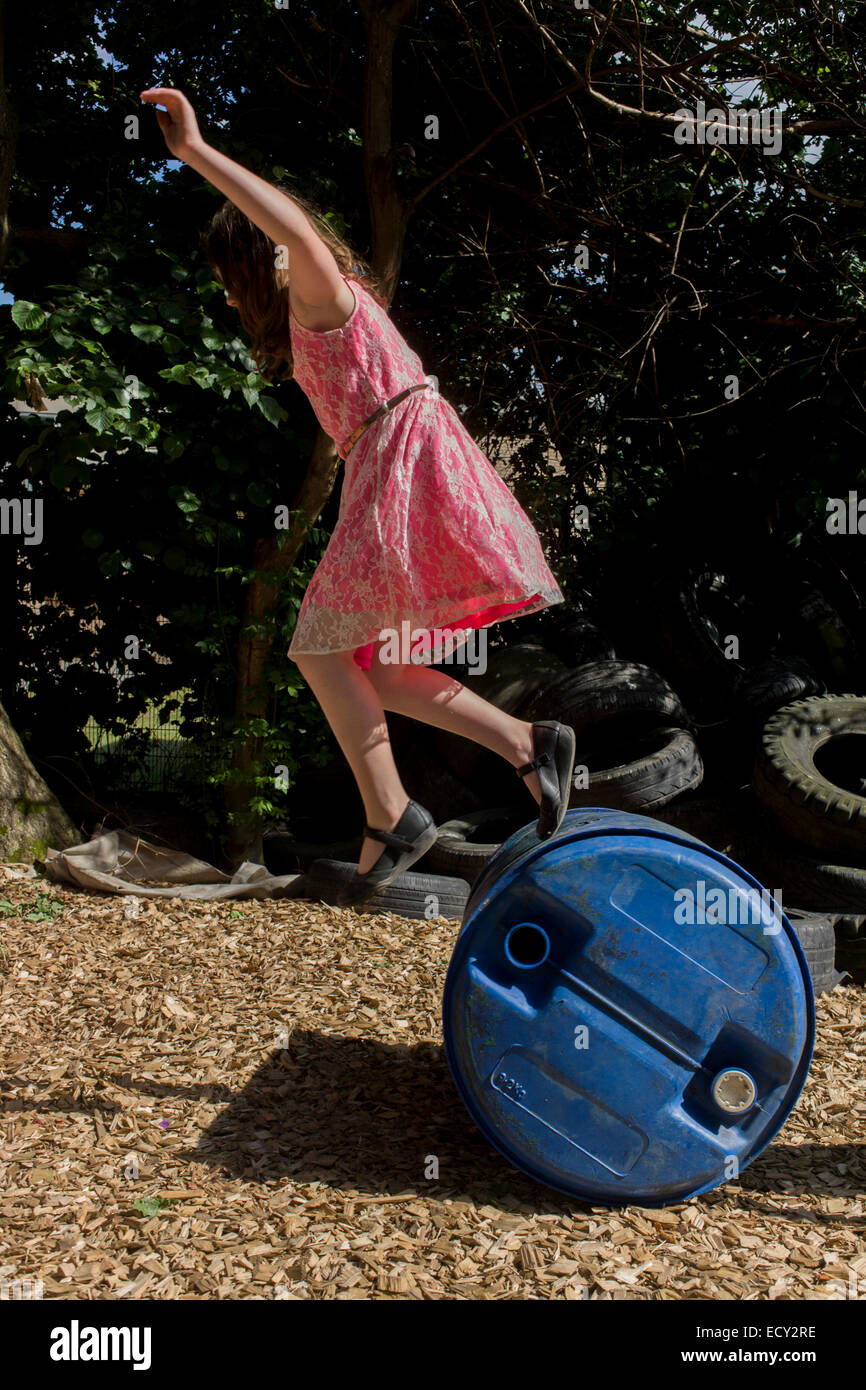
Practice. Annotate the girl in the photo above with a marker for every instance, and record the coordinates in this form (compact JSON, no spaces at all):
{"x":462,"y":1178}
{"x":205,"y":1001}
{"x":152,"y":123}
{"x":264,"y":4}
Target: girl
{"x":428,"y":535}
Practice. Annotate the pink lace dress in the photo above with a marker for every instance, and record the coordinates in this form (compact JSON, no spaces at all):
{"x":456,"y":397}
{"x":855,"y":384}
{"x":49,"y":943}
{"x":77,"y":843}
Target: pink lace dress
{"x":427,"y":532}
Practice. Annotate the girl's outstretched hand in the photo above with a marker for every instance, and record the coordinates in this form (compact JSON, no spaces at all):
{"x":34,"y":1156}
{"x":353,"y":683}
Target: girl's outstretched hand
{"x":177,"y":122}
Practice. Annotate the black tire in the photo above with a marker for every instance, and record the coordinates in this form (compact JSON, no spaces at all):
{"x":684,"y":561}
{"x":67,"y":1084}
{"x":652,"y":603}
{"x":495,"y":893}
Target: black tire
{"x":697,"y":614}
{"x":824,"y":610}
{"x":515,"y":673}
{"x":665,"y":763}
{"x":850,"y":932}
{"x":715,"y":820}
{"x":818,"y":939}
{"x":774,"y":682}
{"x":579,"y":640}
{"x":815,"y":884}
{"x":810,"y":807}
{"x":429,"y":781}
{"x":715,"y":605}
{"x":512,"y":677}
{"x":603,"y":690}
{"x":419,"y":896}
{"x":822,"y":634}
{"x":465,"y":844}
{"x":283,"y":854}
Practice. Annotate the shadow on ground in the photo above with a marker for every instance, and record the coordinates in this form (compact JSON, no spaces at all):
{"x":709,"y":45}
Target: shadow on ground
{"x":359,"y":1113}
{"x":365,"y":1115}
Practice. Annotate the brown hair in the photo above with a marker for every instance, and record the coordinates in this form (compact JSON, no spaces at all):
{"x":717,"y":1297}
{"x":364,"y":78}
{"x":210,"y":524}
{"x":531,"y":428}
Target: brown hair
{"x":245,"y":259}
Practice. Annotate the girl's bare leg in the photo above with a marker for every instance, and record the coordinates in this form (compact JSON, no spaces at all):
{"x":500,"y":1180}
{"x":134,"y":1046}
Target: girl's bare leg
{"x":354,"y":704}
{"x":354,"y":711}
{"x":438,"y":699}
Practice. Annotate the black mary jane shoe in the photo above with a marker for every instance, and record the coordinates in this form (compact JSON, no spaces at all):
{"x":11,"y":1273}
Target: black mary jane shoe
{"x":411,"y":837}
{"x":554,"y":747}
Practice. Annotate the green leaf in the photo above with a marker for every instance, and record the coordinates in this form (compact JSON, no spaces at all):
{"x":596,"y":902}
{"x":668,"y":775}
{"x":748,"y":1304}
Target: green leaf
{"x":147,"y":332}
{"x":259,"y":494}
{"x":25,"y":454}
{"x":179,"y":372}
{"x":109,"y":562}
{"x":152,"y":1206}
{"x":271,"y":409}
{"x":100,"y":419}
{"x":174,"y":447}
{"x":100,"y":323}
{"x":27,"y":316}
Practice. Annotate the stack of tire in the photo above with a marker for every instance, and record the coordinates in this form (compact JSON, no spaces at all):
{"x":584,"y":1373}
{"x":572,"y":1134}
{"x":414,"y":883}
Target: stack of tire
{"x":636,"y":751}
{"x":635,"y":740}
{"x":763,"y":667}
{"x":739,"y":646}
{"x":810,"y":782}
{"x":763,"y":709}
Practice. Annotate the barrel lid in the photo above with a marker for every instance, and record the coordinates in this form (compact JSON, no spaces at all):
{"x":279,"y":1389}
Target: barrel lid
{"x":628,"y":1015}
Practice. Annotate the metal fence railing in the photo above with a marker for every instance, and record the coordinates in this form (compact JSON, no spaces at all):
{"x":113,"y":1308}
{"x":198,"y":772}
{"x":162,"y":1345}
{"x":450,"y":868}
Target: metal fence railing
{"x":151,"y":755}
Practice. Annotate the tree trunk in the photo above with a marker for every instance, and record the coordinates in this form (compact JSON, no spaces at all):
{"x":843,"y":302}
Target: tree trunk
{"x":388,"y":217}
{"x":254,"y":648}
{"x":388,"y":209}
{"x":31,"y":818}
{"x":8,"y":140}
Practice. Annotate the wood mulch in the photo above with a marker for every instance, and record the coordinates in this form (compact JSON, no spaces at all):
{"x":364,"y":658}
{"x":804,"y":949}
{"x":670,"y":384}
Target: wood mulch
{"x":271,"y":1076}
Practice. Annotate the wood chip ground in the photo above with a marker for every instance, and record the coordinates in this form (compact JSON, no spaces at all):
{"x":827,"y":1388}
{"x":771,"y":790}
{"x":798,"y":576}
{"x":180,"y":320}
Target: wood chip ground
{"x":274,"y":1073}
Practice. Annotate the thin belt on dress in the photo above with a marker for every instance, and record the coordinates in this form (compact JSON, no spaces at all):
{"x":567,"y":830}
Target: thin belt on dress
{"x":430,"y":383}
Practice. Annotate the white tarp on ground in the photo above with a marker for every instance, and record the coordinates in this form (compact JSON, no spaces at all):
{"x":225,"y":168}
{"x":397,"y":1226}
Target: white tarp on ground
{"x":121,"y":863}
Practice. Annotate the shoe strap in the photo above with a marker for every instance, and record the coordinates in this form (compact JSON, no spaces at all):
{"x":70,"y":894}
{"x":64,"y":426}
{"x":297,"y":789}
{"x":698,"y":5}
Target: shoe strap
{"x":540,"y":761}
{"x":389,"y":838}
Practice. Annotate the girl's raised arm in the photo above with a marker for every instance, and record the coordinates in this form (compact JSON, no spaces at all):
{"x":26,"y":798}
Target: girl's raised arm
{"x":316,"y":278}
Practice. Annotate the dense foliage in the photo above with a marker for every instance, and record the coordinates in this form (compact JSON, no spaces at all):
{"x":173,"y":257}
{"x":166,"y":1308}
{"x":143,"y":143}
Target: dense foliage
{"x":701,"y":264}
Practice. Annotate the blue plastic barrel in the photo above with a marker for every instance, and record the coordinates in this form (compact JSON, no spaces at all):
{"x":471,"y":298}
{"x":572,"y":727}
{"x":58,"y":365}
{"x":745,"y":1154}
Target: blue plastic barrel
{"x":628,"y":1016}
